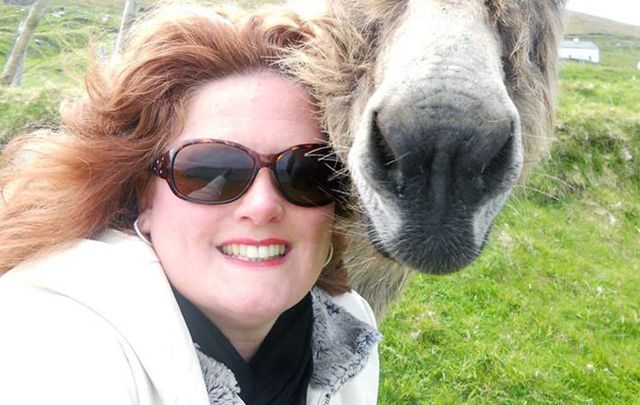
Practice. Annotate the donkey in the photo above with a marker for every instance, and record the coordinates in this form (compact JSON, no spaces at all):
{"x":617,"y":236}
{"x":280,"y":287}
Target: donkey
{"x":439,"y":108}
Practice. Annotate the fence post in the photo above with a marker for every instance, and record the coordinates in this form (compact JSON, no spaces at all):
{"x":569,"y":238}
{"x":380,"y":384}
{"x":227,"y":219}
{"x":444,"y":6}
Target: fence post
{"x":22,"y":42}
{"x":128,"y":15}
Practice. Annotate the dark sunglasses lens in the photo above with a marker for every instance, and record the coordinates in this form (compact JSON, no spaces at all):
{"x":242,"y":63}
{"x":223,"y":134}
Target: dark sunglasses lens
{"x":211,"y":172}
{"x":307,"y":175}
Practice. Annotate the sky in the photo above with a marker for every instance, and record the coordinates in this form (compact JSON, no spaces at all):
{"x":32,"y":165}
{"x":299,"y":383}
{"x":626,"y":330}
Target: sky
{"x":626,"y":11}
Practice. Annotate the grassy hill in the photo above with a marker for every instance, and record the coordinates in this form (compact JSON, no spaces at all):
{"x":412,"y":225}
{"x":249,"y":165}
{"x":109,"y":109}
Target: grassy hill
{"x":619,"y":43}
{"x":550,"y":312}
{"x":580,"y":24}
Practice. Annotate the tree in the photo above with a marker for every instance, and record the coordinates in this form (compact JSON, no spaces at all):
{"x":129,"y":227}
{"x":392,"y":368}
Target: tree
{"x":128,"y":15}
{"x":22,"y":41}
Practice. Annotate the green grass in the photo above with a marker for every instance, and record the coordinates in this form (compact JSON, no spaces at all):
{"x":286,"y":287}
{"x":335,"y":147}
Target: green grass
{"x":598,"y":134}
{"x":550,"y":312}
{"x":24,"y":109}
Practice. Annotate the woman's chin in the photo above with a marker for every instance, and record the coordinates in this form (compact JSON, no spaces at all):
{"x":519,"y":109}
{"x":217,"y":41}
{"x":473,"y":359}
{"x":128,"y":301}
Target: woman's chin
{"x":257,"y":305}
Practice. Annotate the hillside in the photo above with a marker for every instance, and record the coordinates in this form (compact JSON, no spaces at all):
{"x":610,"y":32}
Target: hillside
{"x":619,"y":43}
{"x":581,"y":24}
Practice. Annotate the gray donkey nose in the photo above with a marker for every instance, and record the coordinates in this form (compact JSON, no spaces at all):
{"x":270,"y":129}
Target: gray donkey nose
{"x":448,"y":150}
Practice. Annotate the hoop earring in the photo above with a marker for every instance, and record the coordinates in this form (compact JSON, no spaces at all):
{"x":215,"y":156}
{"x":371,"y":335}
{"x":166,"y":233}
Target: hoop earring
{"x":330,"y":255}
{"x":141,"y":235}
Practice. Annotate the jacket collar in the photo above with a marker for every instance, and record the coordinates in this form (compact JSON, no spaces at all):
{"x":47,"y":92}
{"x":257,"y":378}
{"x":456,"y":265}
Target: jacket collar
{"x":341,"y":345}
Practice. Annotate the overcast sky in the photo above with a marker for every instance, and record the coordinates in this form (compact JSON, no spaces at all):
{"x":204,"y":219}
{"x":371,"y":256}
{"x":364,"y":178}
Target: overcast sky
{"x":626,"y":11}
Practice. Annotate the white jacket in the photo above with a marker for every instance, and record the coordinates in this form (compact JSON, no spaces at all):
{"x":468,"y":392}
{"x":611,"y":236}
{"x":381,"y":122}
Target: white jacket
{"x":97,"y":323}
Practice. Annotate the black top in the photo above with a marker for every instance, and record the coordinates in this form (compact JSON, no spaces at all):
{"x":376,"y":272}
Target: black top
{"x":280,"y":370}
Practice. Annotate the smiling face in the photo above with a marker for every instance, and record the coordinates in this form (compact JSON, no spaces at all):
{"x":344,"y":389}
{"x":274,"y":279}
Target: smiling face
{"x":205,"y":249}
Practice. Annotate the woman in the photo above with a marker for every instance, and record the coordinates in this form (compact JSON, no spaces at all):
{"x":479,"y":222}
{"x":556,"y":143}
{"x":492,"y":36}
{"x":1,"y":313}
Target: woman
{"x":201,"y":141}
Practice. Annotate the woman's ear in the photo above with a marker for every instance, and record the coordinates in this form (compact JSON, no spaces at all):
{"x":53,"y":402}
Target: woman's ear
{"x":144,"y":221}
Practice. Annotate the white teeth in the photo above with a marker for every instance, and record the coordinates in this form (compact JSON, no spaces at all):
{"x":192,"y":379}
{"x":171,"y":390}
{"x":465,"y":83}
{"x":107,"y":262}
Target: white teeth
{"x":263,"y":251}
{"x":254,"y":253}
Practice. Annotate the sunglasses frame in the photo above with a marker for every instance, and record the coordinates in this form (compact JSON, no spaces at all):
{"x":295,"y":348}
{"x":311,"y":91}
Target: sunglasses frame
{"x":163,"y":168}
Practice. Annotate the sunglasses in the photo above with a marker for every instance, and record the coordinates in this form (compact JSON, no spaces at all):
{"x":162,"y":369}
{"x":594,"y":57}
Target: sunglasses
{"x":209,"y":171}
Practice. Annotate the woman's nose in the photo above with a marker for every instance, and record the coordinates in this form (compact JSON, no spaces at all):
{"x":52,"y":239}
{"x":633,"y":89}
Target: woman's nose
{"x":262,"y":203}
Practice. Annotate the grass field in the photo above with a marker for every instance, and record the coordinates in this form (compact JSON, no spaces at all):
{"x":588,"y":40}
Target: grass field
{"x":550,"y":313}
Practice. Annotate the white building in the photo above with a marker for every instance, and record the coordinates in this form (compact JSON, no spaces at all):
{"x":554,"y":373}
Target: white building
{"x":579,"y":50}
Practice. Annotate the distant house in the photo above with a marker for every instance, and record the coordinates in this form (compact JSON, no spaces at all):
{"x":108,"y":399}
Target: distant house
{"x":579,"y":50}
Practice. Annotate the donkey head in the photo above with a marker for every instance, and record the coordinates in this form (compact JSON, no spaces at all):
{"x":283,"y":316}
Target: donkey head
{"x":444,"y":103}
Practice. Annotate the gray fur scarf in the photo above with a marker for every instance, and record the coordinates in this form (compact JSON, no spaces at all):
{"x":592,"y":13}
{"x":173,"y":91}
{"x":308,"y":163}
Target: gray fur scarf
{"x":341,"y":345}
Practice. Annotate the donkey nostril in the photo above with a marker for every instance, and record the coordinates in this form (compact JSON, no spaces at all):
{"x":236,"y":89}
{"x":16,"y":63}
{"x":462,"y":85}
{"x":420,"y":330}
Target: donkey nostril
{"x":500,"y":161}
{"x":382,"y":151}
{"x":386,"y":166}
